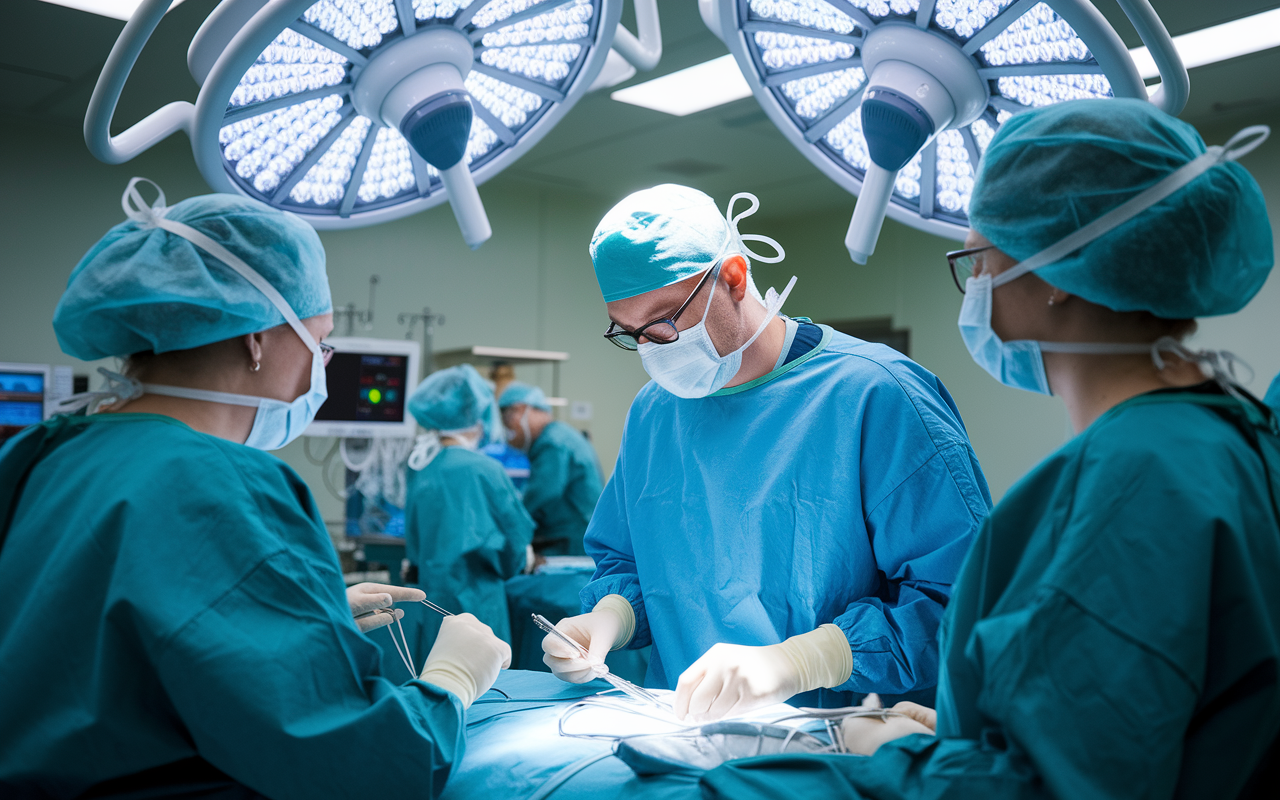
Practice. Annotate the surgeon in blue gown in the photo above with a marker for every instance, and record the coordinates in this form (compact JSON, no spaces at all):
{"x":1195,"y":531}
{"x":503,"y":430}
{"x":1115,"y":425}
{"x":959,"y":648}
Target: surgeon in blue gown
{"x":466,"y":531}
{"x":173,"y":619}
{"x":1115,"y":632}
{"x":790,"y":504}
{"x":564,"y":475}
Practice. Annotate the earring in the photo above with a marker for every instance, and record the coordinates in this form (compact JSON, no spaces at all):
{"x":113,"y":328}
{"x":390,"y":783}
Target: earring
{"x":1051,"y":299}
{"x":257,"y":365}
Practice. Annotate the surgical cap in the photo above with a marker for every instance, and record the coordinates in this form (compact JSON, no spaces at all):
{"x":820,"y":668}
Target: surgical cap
{"x":143,"y":288}
{"x":1205,"y":249}
{"x":517,"y":393}
{"x":452,"y":399}
{"x":654,"y":238}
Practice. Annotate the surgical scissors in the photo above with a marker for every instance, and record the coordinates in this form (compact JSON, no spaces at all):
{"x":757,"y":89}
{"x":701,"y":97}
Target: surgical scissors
{"x":621,"y":684}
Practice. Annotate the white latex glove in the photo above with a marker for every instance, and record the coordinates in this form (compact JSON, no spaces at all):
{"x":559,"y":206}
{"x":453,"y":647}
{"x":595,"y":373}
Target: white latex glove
{"x":366,"y":597}
{"x":466,"y":658}
{"x":864,"y":735}
{"x":732,"y":679}
{"x":606,"y":627}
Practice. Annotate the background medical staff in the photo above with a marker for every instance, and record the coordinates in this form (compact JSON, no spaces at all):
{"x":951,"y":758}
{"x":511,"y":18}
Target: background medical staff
{"x":465,"y":529}
{"x":790,"y":504}
{"x":564,"y":475}
{"x":173,"y":619}
{"x":1116,"y":631}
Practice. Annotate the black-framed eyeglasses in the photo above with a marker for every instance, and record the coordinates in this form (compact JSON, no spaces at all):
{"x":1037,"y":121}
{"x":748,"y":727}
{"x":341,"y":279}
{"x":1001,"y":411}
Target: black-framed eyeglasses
{"x":659,"y":331}
{"x":962,"y":263}
{"x":326,"y":352}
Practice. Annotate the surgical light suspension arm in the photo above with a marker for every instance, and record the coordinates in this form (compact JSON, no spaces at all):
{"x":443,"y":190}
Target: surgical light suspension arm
{"x":1175,"y":84}
{"x":156,"y":126}
{"x":645,"y":51}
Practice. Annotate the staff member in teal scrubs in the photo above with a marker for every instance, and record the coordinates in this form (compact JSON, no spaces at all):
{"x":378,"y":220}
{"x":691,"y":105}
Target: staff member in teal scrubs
{"x":564,"y":476}
{"x":173,"y":621}
{"x":1115,"y":632}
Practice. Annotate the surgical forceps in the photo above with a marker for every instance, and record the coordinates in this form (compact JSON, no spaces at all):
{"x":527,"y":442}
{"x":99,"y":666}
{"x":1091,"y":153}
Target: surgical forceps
{"x":621,"y":684}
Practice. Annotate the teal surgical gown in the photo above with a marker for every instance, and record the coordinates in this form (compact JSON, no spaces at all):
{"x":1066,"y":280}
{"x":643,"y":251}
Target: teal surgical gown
{"x":1114,"y":634}
{"x":841,"y":487}
{"x":564,"y":485}
{"x":466,"y":532}
{"x":173,"y":616}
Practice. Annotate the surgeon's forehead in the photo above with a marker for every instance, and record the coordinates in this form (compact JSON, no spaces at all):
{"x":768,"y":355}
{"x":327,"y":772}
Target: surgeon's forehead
{"x":635,"y":311}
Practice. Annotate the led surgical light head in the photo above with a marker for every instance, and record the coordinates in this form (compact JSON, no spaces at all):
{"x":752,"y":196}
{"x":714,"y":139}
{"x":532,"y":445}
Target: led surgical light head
{"x":896,"y":100}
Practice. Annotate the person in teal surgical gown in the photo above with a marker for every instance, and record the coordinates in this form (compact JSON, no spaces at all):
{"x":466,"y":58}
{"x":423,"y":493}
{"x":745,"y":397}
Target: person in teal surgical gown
{"x":466,"y":531}
{"x":173,"y":621}
{"x":564,"y":476}
{"x":1115,"y":632}
{"x":790,"y":504}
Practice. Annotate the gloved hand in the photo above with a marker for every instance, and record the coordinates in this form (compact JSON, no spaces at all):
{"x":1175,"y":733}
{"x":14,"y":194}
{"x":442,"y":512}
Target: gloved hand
{"x":864,"y":735}
{"x":732,"y":679}
{"x":606,"y":627}
{"x":466,"y":658}
{"x":366,"y":597}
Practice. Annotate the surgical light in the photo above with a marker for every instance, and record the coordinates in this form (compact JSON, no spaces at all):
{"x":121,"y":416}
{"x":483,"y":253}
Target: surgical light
{"x":355,"y":112}
{"x":896,"y":100}
{"x":702,"y":86}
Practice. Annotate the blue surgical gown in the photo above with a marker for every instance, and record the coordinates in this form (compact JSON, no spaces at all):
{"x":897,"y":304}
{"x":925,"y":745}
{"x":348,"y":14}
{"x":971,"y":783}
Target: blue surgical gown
{"x":1114,"y":634}
{"x":467,"y":532}
{"x":564,"y":485}
{"x":173,"y":615}
{"x":839,"y":488}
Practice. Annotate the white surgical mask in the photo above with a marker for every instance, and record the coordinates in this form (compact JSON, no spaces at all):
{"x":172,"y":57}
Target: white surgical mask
{"x":276,"y":422}
{"x":691,"y":367}
{"x":1020,"y":364}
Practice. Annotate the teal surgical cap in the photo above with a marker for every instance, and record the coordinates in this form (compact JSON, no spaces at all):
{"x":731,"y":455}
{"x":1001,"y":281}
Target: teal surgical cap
{"x":453,"y":399}
{"x":655,"y":238}
{"x":144,"y":288}
{"x":1205,"y":249}
{"x":517,"y":393}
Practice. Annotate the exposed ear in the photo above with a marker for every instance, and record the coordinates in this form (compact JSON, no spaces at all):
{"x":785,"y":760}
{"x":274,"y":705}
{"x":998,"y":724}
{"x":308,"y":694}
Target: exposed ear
{"x":253,"y":347}
{"x":734,"y":272}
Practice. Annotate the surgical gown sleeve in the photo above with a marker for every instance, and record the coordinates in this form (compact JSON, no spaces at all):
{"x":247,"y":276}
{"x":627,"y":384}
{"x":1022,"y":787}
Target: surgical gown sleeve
{"x":608,"y":542}
{"x":920,"y":526}
{"x":278,"y":692}
{"x":512,"y":518}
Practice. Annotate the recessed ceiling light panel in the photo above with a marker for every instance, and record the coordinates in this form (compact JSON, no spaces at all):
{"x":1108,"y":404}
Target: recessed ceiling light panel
{"x":896,"y":100}
{"x":355,"y":112}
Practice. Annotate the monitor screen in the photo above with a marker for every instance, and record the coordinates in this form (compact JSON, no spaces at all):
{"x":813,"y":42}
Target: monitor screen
{"x":21,"y":400}
{"x":366,"y":387}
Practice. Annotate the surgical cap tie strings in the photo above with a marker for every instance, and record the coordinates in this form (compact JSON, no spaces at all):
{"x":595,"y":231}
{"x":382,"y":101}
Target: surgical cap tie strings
{"x":1220,"y":365}
{"x":425,"y":449}
{"x":1239,"y":145}
{"x":136,"y":209}
{"x":733,"y":237}
{"x":119,"y":389}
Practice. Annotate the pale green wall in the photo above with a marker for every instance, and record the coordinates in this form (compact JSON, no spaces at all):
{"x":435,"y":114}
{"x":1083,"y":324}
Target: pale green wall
{"x":532,"y":286}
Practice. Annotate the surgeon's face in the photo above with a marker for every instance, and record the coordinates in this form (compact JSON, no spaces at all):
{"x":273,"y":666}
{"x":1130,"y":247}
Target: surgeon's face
{"x":286,"y":361}
{"x":1018,"y":308}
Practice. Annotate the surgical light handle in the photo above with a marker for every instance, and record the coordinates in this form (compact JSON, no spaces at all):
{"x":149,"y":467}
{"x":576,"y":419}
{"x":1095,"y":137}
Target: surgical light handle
{"x":1175,"y":84}
{"x":158,"y":125}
